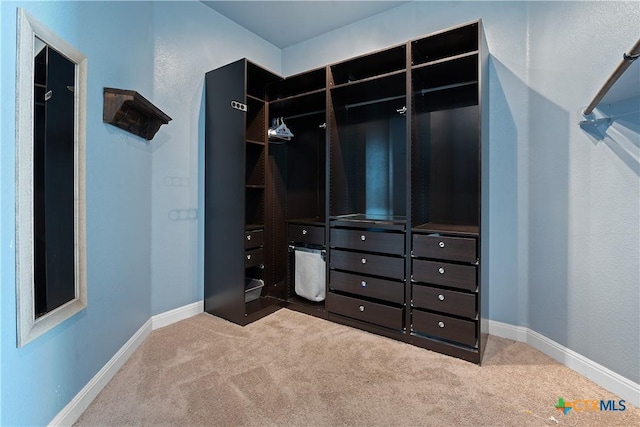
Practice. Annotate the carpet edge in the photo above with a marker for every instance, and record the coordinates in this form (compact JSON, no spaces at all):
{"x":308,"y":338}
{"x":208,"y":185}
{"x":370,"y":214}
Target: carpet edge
{"x":604,"y":377}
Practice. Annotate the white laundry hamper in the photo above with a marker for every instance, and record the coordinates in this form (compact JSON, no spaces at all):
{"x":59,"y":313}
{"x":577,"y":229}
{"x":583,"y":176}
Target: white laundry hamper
{"x":310,"y":274}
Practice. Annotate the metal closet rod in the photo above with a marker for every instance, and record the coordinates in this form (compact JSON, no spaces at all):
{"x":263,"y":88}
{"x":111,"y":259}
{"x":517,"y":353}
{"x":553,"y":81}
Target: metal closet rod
{"x":627,"y":60}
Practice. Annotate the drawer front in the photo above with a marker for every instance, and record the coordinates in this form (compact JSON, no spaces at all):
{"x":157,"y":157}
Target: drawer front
{"x":377,"y":265}
{"x":306,"y":234}
{"x":451,"y":302}
{"x":379,"y":314}
{"x":369,"y":241}
{"x":367,"y":286}
{"x":253,"y":239}
{"x":442,"y":273}
{"x":450,"y":248}
{"x":461,"y":331}
{"x":253,"y":258}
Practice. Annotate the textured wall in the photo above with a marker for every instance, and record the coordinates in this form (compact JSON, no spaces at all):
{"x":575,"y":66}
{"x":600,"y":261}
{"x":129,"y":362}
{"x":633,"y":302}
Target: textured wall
{"x":182,"y":55}
{"x":584,"y":204}
{"x":39,"y":379}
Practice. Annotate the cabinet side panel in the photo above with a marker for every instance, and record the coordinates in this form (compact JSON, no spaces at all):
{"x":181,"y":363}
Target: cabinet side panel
{"x":224,"y":193}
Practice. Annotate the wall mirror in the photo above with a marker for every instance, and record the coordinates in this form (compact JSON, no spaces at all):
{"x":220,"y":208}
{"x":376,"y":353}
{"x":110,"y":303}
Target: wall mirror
{"x":50,"y":173}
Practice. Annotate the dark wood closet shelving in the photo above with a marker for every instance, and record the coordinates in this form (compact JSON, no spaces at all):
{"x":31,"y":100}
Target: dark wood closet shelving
{"x":383,"y":178}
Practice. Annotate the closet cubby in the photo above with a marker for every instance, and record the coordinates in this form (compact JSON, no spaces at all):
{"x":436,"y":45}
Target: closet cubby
{"x":370,"y":65}
{"x":368,"y":161}
{"x":299,"y":84}
{"x":255,"y":120}
{"x":383,"y":177}
{"x":445,"y":44}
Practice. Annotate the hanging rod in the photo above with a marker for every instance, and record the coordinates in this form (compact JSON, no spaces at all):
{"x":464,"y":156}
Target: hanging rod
{"x":627,"y":60}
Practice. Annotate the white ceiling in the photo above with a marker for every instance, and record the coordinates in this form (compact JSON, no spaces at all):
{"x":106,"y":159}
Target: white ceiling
{"x":285,"y":23}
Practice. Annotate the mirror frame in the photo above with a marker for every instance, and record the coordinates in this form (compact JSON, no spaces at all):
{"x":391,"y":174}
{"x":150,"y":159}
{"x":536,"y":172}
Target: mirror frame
{"x":28,"y":327}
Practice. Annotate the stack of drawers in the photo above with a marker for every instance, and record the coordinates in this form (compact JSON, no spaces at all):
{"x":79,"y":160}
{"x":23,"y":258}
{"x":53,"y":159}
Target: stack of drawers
{"x":253,"y":243}
{"x":445,"y":288}
{"x":366,"y":279}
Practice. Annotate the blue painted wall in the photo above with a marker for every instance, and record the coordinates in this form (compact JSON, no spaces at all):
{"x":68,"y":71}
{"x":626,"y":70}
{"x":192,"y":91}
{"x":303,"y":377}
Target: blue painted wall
{"x":132,"y":240}
{"x":182,"y":55}
{"x":39,"y":379}
{"x":584,"y":201}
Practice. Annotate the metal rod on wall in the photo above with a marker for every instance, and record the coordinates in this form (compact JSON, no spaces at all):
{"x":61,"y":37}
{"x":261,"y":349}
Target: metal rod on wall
{"x":627,"y":60}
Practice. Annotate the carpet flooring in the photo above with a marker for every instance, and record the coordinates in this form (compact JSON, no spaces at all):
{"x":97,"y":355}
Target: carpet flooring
{"x":290,"y":369}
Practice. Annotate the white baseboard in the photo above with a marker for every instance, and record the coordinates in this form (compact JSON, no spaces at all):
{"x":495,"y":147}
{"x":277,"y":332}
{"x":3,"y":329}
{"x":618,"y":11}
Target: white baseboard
{"x":177,"y":314}
{"x":83,"y":399}
{"x":604,"y":377}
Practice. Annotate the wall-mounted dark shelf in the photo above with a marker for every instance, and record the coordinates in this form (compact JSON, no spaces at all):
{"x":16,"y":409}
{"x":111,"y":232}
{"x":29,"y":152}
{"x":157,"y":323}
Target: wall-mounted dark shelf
{"x":129,"y":110}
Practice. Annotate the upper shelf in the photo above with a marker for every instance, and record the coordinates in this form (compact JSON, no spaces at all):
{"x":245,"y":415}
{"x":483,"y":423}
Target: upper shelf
{"x":129,"y":110}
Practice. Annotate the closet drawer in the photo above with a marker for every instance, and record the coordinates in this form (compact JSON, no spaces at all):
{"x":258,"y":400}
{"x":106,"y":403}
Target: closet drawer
{"x":379,"y":314}
{"x":253,"y":258}
{"x":253,"y":239}
{"x":440,"y":247}
{"x":437,"y":325}
{"x":370,"y":241}
{"x":386,"y":290}
{"x":377,"y":265}
{"x":451,"y":302}
{"x":306,"y":234}
{"x":445,"y":274}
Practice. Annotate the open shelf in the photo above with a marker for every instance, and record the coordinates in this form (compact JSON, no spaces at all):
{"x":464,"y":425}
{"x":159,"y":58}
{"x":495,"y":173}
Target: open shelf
{"x":366,"y":66}
{"x":129,"y":110}
{"x":309,"y":81}
{"x":445,"y":44}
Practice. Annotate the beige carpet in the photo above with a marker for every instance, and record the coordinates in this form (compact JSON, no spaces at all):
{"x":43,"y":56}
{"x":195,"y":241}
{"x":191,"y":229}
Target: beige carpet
{"x":290,"y":369}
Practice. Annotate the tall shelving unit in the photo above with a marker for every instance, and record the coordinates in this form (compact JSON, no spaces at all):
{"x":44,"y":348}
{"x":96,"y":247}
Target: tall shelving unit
{"x":386,"y":173}
{"x":236,"y":274}
{"x":448,"y":139}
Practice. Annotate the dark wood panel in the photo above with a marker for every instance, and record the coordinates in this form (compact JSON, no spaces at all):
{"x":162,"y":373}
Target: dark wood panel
{"x":444,"y":247}
{"x":253,"y":239}
{"x":370,"y":241}
{"x":381,"y":289}
{"x":456,"y":350}
{"x":376,"y":265}
{"x":445,"y":274}
{"x":449,"y":328}
{"x":224,"y":222}
{"x":445,"y":301}
{"x":306,"y":234}
{"x":379,"y":314}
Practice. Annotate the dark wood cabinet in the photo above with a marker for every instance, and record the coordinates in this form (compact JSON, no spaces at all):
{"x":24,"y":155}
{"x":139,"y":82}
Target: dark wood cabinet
{"x":236,"y":150}
{"x":385,"y":173}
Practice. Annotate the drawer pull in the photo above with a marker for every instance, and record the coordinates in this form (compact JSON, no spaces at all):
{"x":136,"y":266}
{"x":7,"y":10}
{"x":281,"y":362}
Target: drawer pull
{"x":441,"y":324}
{"x":441,"y":244}
{"x":249,"y":237}
{"x":441,"y":297}
{"x":364,"y":284}
{"x":304,"y":232}
{"x":248,"y":256}
{"x":363,"y":260}
{"x":441,"y":270}
{"x":361,"y":308}
{"x":363,"y":237}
